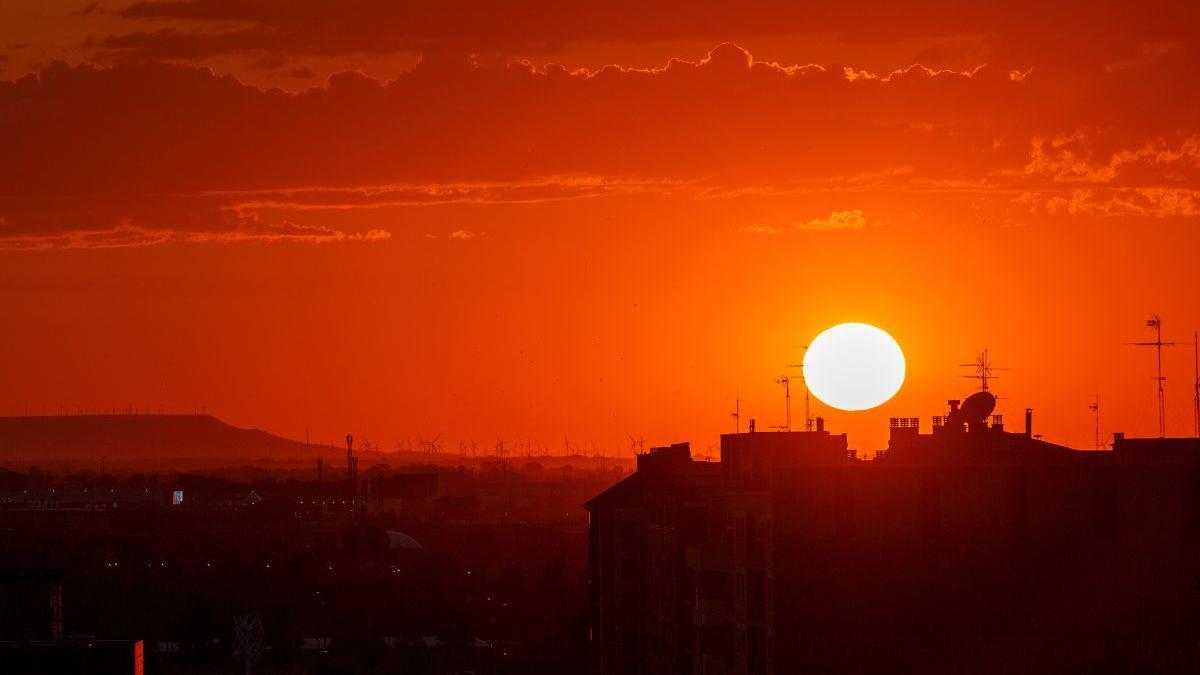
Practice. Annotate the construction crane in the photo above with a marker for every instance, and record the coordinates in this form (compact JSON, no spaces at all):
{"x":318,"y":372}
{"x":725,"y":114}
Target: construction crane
{"x":1156,"y":323}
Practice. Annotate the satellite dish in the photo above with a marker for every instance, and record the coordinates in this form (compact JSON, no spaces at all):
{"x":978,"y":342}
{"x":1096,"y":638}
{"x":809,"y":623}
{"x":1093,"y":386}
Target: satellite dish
{"x":978,"y":406}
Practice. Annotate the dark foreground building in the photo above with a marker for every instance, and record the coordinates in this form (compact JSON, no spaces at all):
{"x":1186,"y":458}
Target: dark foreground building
{"x":967,"y":549}
{"x":79,"y":655}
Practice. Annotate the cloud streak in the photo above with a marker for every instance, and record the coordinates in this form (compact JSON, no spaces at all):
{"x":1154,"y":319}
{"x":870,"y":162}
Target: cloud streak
{"x":177,"y":148}
{"x":838,"y":220}
{"x":192,"y":29}
{"x":129,"y":236}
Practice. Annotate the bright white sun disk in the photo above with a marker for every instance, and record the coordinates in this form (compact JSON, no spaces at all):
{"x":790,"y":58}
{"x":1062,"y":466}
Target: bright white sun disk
{"x":854,"y":366}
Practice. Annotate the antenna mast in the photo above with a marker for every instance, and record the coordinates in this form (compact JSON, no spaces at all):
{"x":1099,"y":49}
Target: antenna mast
{"x":1156,"y":323}
{"x":787,"y":396}
{"x":1196,"y":385}
{"x":808,"y":418}
{"x":984,"y":370}
{"x":737,"y":415}
{"x":351,"y":468}
{"x":1094,"y":406}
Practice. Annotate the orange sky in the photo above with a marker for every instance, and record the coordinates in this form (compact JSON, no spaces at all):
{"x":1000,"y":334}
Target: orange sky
{"x":400,"y":220}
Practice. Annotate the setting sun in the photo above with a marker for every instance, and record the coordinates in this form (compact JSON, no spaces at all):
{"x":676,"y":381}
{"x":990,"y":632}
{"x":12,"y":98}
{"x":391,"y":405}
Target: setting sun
{"x":854,"y":366}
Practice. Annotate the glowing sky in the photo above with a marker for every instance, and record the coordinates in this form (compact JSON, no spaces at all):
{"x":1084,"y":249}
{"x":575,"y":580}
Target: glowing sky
{"x":535,"y":222}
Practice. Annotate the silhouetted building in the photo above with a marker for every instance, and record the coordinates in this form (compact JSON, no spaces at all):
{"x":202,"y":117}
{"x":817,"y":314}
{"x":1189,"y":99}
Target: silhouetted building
{"x":31,"y":632}
{"x":404,"y":494}
{"x":966,"y":549}
{"x":75,"y":656}
{"x":31,"y":604}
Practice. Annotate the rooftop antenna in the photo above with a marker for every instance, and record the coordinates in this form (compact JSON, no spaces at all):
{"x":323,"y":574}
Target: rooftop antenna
{"x":808,"y":418}
{"x":787,"y":396}
{"x":247,"y":639}
{"x":1196,"y":385}
{"x":1094,"y":406}
{"x":984,"y":370}
{"x":1156,"y":323}
{"x":737,"y":416}
{"x":351,"y":467}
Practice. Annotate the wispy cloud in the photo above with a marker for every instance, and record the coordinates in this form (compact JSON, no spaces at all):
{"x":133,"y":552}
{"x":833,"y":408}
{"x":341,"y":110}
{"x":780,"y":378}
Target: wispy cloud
{"x":1146,"y":202}
{"x":852,"y":219}
{"x":915,"y":69}
{"x":838,"y":220}
{"x":762,"y":229}
{"x":530,"y":191}
{"x":1072,"y":158}
{"x":130,"y":236}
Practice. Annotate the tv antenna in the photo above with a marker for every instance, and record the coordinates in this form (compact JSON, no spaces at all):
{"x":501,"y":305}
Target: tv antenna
{"x":247,"y":639}
{"x":786,"y":381}
{"x":1094,"y":406}
{"x":984,"y":370}
{"x":737,"y":416}
{"x":1156,"y":323}
{"x":1196,"y":385}
{"x":808,"y":418}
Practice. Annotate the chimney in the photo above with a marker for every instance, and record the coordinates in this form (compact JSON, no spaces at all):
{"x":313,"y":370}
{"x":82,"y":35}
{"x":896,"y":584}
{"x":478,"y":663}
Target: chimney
{"x":820,"y":424}
{"x":751,"y":425}
{"x":1028,"y":422}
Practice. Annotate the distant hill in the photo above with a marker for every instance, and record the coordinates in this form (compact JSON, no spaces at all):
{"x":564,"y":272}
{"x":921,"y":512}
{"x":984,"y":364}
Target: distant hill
{"x":165,"y":443}
{"x":154,"y":441}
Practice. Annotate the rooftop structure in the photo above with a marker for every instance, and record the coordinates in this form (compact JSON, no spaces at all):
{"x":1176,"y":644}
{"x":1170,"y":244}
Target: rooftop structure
{"x":960,"y":548}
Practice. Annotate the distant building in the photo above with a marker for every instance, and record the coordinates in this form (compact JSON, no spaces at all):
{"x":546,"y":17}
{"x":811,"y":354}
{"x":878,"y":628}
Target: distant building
{"x":31,"y":604}
{"x":409,"y":495}
{"x":966,"y":549}
{"x":99,"y":498}
{"x":31,"y":632}
{"x":76,"y":656}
